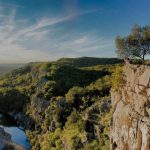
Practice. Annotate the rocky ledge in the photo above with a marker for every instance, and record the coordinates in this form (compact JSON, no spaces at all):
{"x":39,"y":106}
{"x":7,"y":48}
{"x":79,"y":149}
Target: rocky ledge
{"x":130,"y":127}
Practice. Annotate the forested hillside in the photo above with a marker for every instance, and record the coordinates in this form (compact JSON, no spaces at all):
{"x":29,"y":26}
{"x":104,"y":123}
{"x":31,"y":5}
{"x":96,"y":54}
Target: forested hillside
{"x":63,"y":105}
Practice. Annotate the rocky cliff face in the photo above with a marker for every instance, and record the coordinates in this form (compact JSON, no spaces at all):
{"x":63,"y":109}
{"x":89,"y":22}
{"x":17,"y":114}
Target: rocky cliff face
{"x":130,"y":126}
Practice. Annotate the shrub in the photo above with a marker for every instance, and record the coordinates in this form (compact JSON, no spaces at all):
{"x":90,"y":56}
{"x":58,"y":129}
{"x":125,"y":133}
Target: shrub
{"x":117,"y":78}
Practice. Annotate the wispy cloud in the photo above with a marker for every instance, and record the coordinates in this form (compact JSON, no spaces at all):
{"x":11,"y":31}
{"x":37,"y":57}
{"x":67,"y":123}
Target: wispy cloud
{"x":23,"y":41}
{"x":10,"y":5}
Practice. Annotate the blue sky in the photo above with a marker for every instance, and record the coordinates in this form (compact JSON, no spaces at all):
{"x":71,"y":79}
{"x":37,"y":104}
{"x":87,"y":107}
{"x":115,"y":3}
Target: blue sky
{"x":45,"y":30}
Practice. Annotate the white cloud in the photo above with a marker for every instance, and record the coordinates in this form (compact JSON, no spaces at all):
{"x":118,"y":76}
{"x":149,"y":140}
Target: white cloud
{"x":83,"y":45}
{"x":23,"y":41}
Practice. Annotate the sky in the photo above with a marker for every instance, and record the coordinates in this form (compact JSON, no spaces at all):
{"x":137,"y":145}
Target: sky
{"x":46,"y":30}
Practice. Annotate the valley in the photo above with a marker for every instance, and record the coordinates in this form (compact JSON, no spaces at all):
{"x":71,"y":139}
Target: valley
{"x":63,"y":104}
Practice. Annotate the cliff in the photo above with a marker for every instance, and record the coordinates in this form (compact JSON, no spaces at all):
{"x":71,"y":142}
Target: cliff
{"x":130,"y":126}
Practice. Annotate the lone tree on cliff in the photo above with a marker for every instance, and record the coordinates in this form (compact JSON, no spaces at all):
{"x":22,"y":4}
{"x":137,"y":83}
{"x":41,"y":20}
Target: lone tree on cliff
{"x":136,"y":44}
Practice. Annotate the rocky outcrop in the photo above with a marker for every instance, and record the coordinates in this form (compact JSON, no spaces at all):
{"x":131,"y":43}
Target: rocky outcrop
{"x":130,"y":126}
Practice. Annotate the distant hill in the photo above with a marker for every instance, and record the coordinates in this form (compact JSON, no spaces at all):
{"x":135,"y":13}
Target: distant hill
{"x":89,"y":61}
{"x":75,"y":62}
{"x":5,"y":68}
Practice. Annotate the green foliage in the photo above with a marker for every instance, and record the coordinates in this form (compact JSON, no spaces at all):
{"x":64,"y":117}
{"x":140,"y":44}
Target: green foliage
{"x":73,"y":118}
{"x":11,"y":99}
{"x":94,"y":145}
{"x":74,"y":96}
{"x":88,"y":61}
{"x":66,"y":102}
{"x":67,"y":76}
{"x":73,"y":134}
{"x":136,"y":44}
{"x":117,"y":78}
{"x":49,"y":89}
{"x":51,"y":141}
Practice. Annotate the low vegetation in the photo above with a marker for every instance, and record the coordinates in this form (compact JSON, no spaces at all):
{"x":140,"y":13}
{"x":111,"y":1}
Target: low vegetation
{"x":117,"y":78}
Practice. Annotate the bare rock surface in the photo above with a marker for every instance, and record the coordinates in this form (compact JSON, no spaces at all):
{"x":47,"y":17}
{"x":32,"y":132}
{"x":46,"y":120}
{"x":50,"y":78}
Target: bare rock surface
{"x":130,"y":127}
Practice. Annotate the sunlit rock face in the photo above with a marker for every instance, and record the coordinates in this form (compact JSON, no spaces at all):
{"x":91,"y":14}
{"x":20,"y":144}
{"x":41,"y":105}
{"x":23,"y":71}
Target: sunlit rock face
{"x":130,"y":126}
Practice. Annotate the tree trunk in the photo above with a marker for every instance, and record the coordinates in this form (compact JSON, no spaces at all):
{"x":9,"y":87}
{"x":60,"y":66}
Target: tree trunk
{"x":143,"y":58}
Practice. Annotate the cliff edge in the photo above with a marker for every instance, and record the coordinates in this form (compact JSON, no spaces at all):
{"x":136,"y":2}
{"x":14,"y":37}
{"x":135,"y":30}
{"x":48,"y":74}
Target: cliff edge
{"x":130,"y":125}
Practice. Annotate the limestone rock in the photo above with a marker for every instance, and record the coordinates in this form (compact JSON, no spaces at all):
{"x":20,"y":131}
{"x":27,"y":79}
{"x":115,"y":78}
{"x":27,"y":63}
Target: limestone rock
{"x":144,"y":78}
{"x":130,"y":128}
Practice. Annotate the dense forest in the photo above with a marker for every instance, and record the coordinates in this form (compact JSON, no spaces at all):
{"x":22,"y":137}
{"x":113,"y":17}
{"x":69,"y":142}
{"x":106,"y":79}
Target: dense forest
{"x":63,"y":104}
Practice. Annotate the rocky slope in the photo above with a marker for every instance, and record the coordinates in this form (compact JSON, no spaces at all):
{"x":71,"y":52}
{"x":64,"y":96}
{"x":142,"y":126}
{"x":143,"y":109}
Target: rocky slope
{"x":130,"y":126}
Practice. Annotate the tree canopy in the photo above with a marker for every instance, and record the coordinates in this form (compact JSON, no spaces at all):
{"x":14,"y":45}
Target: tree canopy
{"x":136,"y":44}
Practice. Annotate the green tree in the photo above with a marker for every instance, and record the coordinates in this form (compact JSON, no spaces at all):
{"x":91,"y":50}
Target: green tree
{"x":136,"y":44}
